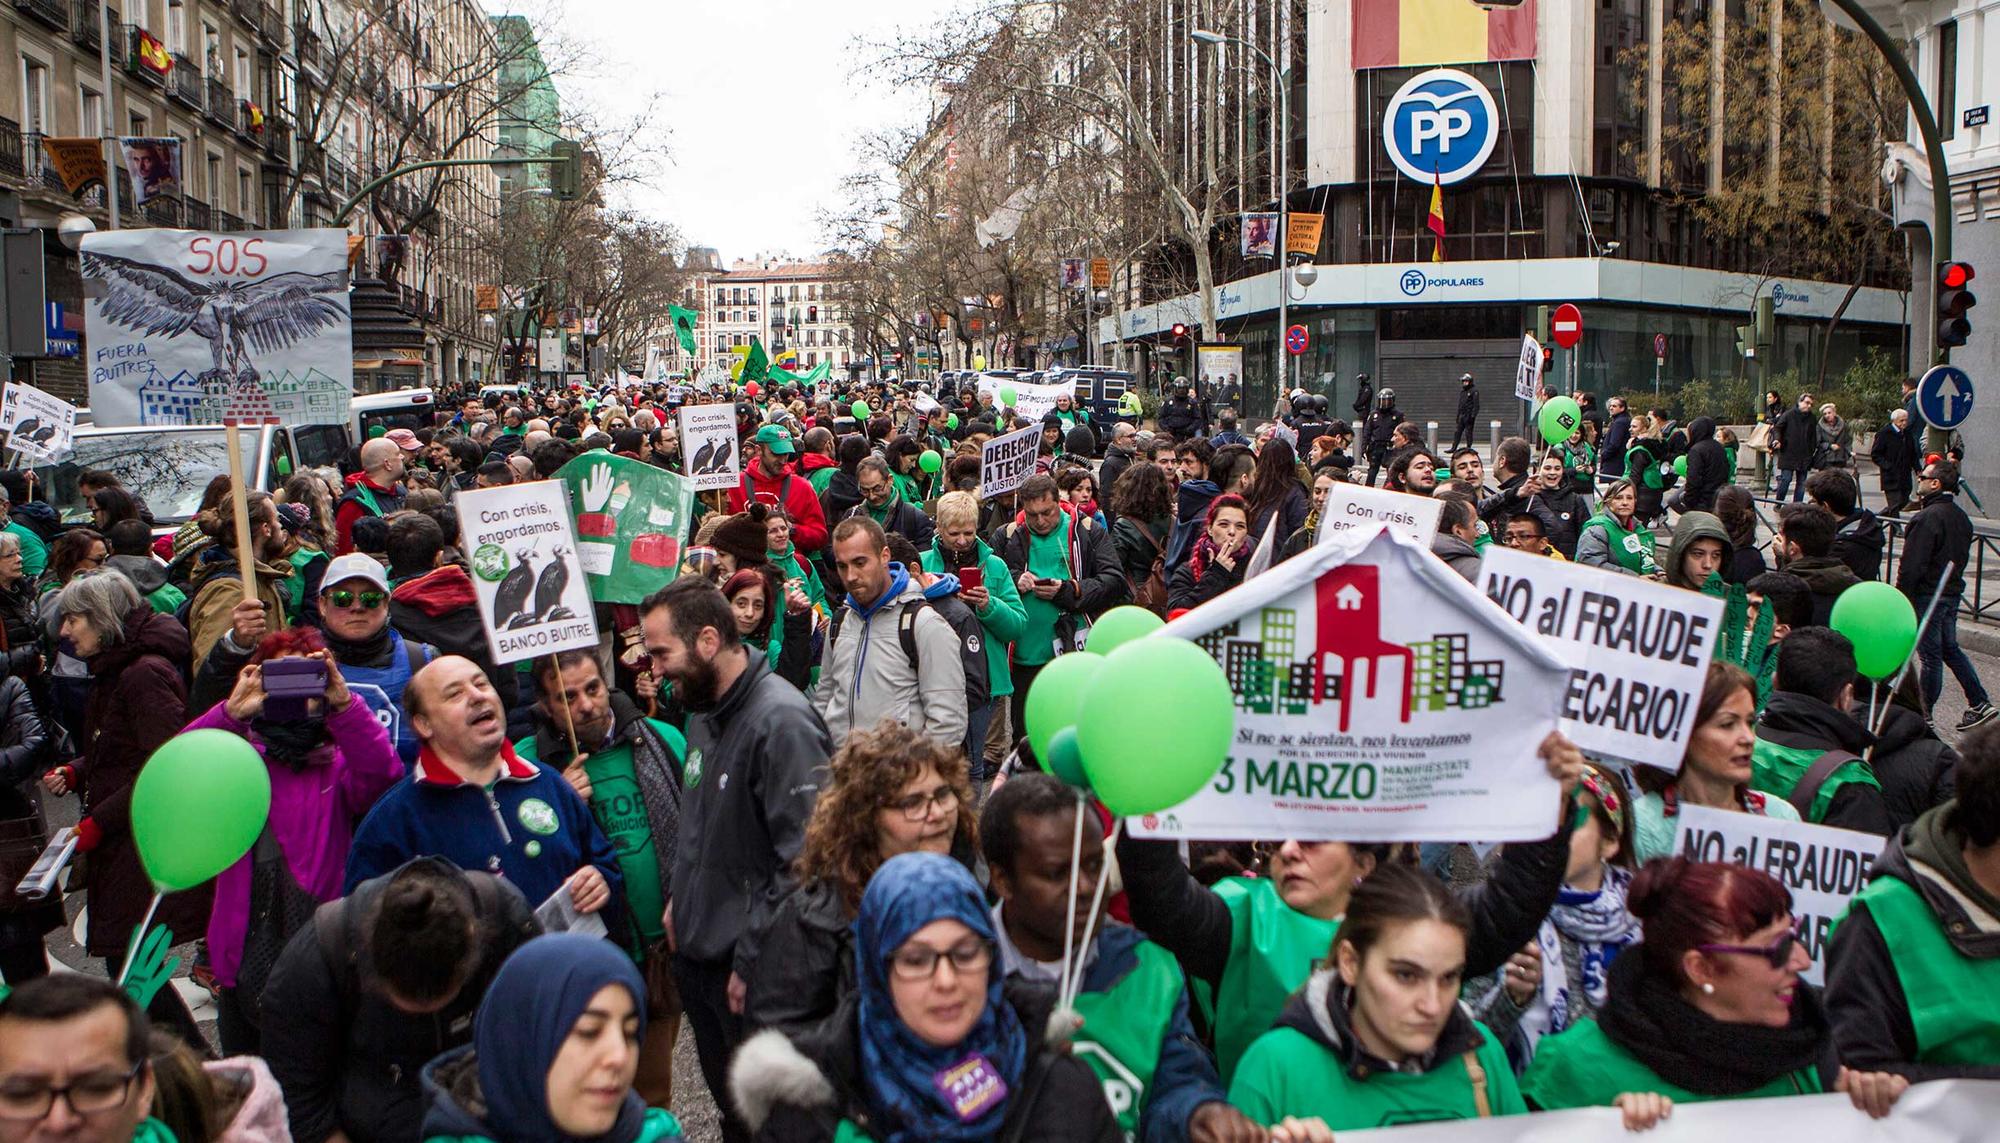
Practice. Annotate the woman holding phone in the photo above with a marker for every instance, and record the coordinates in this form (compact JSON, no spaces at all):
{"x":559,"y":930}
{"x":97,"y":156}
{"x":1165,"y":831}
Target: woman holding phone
{"x":987,"y":588}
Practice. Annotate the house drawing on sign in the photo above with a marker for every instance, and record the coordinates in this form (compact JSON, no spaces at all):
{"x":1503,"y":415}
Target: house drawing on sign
{"x":1349,"y":613}
{"x":167,"y":400}
{"x":1348,"y":598}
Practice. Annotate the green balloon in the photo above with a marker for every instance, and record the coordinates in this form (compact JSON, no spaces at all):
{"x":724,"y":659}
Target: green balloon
{"x":951,"y":421}
{"x":1008,"y":395}
{"x":1056,"y":696}
{"x":1156,"y":725}
{"x":1881,"y":624}
{"x":1560,"y":418}
{"x":1681,"y":466}
{"x":1120,"y":626}
{"x":929,"y":460}
{"x":1065,"y":760}
{"x":197,"y":807}
{"x":860,"y":410}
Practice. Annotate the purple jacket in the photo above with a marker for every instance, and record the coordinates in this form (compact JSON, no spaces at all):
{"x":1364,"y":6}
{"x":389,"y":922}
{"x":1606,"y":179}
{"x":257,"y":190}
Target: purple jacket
{"x":313,"y":813}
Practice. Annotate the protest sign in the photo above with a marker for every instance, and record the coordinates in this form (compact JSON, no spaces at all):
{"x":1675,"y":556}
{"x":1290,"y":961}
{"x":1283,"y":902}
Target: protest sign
{"x":1031,"y":401}
{"x":187,"y":328}
{"x":1378,"y":698}
{"x":1528,"y":375}
{"x":631,"y":519}
{"x":1944,"y":1111}
{"x":1638,"y":651}
{"x":37,"y":424}
{"x":1005,"y":462}
{"x":708,"y":440}
{"x":1823,"y":867}
{"x":533,"y":599}
{"x":1353,"y":510}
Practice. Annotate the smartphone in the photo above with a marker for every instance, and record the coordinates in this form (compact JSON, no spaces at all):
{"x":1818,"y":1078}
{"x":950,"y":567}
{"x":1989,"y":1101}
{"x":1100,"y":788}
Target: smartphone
{"x":292,"y":683}
{"x":971,"y":578}
{"x":1039,"y":582}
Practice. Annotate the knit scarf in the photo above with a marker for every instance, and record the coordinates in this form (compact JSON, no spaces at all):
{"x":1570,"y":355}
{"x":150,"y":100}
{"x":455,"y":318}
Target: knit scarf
{"x":1204,"y":551}
{"x":290,"y":744}
{"x":1688,"y":1048}
{"x":1599,"y":926}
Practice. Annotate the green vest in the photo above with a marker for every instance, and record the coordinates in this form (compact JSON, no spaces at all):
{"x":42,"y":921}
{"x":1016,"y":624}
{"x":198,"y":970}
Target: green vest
{"x":1776,"y":769}
{"x":1631,"y":548}
{"x":1580,"y":1066}
{"x":1124,"y":1029}
{"x":1289,"y":1073}
{"x":658,"y":1126}
{"x":1272,"y":950}
{"x":1642,"y":466}
{"x":1937,"y":979}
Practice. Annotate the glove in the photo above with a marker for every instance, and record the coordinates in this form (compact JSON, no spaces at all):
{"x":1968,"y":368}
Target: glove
{"x":88,"y":834}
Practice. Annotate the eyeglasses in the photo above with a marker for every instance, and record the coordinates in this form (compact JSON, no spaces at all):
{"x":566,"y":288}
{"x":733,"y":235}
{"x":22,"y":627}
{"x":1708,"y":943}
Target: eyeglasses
{"x":919,"y":962}
{"x":370,"y":600}
{"x":87,"y":1095}
{"x":916,"y":807}
{"x":1778,"y":953}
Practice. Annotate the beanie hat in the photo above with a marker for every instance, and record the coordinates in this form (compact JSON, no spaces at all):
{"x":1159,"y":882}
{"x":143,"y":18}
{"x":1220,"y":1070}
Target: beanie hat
{"x":741,"y":537}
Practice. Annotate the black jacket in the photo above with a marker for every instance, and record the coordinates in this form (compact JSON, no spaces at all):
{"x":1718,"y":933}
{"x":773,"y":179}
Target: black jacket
{"x":1468,"y":404}
{"x":1291,"y":512}
{"x":1381,"y":424}
{"x":1939,"y":533}
{"x":1896,"y":454}
{"x":1916,"y":769}
{"x":347,"y":1059}
{"x":1858,"y":543}
{"x":1099,"y":585}
{"x":1508,"y":501}
{"x":1182,"y":419}
{"x":1826,"y":577}
{"x":904,"y":518}
{"x":1188,"y":590}
{"x":24,"y":754}
{"x":1800,"y":721}
{"x":1707,"y":468}
{"x":1864,"y":994}
{"x":22,"y":618}
{"x":1116,"y":460}
{"x":798,"y":1089}
{"x":1611,"y":450}
{"x":1796,"y":439}
{"x":1563,"y":513}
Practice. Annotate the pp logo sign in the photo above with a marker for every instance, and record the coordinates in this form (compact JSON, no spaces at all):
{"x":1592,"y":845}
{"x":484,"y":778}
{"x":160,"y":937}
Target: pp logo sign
{"x":1441,"y":125}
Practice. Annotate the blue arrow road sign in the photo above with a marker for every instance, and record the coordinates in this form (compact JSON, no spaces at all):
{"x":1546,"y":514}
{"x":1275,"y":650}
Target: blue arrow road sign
{"x":1944,"y":396}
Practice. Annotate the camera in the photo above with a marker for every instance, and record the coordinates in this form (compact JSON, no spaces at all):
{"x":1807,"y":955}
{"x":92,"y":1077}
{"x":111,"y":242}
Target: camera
{"x":293,"y":686}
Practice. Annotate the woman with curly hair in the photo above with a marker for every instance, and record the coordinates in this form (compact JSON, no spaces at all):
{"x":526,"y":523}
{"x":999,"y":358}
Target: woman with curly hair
{"x":890,"y":791}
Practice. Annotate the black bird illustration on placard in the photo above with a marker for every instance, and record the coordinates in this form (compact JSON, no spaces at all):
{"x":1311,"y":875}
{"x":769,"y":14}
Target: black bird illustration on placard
{"x":721,"y":460}
{"x":702,"y":456}
{"x":510,"y":599}
{"x":549,"y":589}
{"x":234,"y":317}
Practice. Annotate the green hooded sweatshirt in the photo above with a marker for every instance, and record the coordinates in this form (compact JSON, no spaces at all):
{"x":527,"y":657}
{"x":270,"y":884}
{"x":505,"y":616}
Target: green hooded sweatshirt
{"x":1002,"y":617}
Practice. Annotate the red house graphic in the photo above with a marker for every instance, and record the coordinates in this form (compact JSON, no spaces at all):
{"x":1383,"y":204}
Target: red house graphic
{"x":1349,"y":622}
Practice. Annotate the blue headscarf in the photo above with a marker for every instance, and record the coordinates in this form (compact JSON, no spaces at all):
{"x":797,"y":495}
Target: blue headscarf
{"x":910,"y":891}
{"x":535,"y":1000}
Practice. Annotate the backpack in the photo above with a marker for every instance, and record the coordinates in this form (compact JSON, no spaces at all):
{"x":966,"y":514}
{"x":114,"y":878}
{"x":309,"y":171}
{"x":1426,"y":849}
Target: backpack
{"x":971,"y":651}
{"x":1152,"y":593}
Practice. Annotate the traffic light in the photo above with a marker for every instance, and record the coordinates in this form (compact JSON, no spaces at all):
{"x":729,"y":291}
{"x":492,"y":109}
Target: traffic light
{"x":1180,"y":332}
{"x":566,"y":177}
{"x":1746,"y":341}
{"x":1764,"y":321}
{"x":1954,"y":297}
{"x":1541,"y":325}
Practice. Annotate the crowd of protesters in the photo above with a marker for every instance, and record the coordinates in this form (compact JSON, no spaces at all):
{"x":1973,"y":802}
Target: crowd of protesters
{"x":793,"y":791}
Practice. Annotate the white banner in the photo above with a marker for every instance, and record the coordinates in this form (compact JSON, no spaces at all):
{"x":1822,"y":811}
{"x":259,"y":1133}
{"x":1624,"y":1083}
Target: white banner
{"x":1353,"y":510}
{"x":549,"y":354}
{"x":533,"y":597}
{"x":708,"y":441}
{"x":1528,"y":375}
{"x":1638,"y":651}
{"x":1822,"y":866}
{"x":1031,"y":401}
{"x":39,"y":425}
{"x":1948,"y":1111}
{"x":187,"y":328}
{"x":1379,"y":697}
{"x":1005,"y":462}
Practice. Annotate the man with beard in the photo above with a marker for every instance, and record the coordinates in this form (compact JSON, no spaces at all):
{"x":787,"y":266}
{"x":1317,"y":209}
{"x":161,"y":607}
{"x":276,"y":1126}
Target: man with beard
{"x":1414,"y":472}
{"x":217,"y":585}
{"x":754,"y":749}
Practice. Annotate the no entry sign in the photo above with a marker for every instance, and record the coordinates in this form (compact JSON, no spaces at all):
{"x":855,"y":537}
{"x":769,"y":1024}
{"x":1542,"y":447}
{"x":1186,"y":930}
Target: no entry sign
{"x":1566,"y":325}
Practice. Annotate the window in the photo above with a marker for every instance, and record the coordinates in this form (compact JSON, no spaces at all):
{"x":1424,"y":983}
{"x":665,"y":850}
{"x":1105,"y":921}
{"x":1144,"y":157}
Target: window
{"x":246,"y":193}
{"x":809,"y":337}
{"x":812,"y":291}
{"x":34,"y":96}
{"x":1947,"y":78}
{"x":177,"y":29}
{"x":89,"y":112}
{"x":211,"y":52}
{"x":214,"y":180}
{"x":139,"y":123}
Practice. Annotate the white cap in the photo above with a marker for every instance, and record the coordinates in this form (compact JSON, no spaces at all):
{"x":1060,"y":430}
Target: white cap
{"x":355,"y":565}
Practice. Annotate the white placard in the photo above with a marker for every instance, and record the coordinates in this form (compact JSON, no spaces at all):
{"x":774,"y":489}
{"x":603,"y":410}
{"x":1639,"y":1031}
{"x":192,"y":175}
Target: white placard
{"x":533,"y":597}
{"x":40,"y":425}
{"x":1006,"y":462}
{"x":708,"y":441}
{"x":1031,"y":401}
{"x":187,"y":327}
{"x":1638,"y":651}
{"x":1824,"y":867}
{"x":1379,"y":697}
{"x":548,"y":355}
{"x":1944,"y":1111}
{"x":1528,"y":375}
{"x":1353,"y":510}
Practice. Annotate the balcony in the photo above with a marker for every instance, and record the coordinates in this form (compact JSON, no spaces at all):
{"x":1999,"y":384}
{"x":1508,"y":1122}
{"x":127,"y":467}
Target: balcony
{"x":278,"y":141}
{"x":340,"y":178}
{"x":162,"y":211}
{"x":311,"y":54}
{"x":221,"y":104}
{"x":184,"y":85}
{"x":312,"y":159}
{"x":10,"y":149}
{"x":227,"y":221}
{"x":54,"y":13}
{"x":248,"y":127}
{"x":199,"y":216}
{"x":271,"y":24}
{"x":130,"y":36}
{"x":246,"y":11}
{"x":83,"y":26}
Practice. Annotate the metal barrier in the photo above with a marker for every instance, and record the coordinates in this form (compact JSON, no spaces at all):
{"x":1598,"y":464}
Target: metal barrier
{"x":1985,"y":542}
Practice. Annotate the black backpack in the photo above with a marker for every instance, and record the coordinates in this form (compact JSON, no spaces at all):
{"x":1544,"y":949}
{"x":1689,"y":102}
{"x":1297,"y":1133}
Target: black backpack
{"x":971,"y":647}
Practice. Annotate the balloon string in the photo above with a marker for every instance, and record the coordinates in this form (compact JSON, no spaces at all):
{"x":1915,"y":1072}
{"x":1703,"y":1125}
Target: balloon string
{"x":138,"y":934}
{"x":1069,"y":928}
{"x":1067,"y":996}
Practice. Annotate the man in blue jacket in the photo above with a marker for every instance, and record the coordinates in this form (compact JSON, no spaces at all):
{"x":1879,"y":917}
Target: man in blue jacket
{"x":1160,"y":1082}
{"x":474,"y":801}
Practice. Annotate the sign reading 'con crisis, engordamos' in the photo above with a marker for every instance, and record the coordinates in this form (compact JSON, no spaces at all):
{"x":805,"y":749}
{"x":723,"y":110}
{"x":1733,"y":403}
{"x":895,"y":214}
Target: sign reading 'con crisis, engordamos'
{"x":533,"y":597}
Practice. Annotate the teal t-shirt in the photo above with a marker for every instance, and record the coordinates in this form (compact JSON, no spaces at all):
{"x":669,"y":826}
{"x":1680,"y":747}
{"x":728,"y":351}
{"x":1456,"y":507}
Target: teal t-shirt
{"x":1048,"y":558}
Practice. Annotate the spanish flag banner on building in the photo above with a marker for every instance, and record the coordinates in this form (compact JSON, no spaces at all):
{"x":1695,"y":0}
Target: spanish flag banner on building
{"x":1436,"y":222}
{"x":152,"y":55}
{"x":1424,"y":33}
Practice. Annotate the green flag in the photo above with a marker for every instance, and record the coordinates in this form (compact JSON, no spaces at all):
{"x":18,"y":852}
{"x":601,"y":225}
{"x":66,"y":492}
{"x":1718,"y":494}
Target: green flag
{"x":632,"y":520}
{"x":756,"y":366}
{"x":818,"y":373}
{"x":683,"y":319}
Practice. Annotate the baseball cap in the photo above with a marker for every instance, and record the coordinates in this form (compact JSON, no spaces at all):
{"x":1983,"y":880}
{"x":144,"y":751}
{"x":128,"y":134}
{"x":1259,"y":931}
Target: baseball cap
{"x":777,"y":438}
{"x":354,"y":565}
{"x":404,"y":439}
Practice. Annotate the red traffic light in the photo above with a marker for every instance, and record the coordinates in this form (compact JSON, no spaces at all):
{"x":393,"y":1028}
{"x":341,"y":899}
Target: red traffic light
{"x":1954,"y":275}
{"x":1180,"y":330}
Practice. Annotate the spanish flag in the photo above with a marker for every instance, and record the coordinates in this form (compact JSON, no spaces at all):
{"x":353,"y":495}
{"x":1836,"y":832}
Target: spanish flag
{"x":1437,"y":218}
{"x":152,"y":54}
{"x":1428,"y":33}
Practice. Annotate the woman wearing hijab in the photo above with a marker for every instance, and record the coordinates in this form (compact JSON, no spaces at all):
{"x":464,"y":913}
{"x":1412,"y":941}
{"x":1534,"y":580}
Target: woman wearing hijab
{"x":926,"y":1047}
{"x":554,"y":1049}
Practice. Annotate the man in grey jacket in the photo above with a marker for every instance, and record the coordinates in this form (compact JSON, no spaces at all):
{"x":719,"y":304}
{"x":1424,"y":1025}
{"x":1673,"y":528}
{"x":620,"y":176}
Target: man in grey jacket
{"x":869,"y":674}
{"x":755,"y":751}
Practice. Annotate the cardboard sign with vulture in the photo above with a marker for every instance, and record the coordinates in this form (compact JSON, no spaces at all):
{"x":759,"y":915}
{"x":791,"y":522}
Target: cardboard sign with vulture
{"x":533,"y":597}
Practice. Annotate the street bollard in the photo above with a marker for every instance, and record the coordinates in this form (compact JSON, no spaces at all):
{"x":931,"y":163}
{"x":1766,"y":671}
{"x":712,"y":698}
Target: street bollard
{"x":1492,"y":440}
{"x":1431,"y":435}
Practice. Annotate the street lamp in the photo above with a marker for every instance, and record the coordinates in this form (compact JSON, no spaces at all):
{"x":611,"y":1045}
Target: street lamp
{"x":1278,"y":85}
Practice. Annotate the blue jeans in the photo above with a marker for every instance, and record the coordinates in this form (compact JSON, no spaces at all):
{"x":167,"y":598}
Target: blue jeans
{"x":1785,"y":477}
{"x":1939,"y":649}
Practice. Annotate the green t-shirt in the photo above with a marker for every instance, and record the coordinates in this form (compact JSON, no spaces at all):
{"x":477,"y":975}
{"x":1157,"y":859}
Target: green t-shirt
{"x":1580,"y":1066}
{"x":1048,"y":558}
{"x":1287,"y":1072}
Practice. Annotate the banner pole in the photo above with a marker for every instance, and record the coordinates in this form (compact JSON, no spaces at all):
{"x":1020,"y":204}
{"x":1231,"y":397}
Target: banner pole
{"x":1923,"y":624}
{"x":239,"y":496}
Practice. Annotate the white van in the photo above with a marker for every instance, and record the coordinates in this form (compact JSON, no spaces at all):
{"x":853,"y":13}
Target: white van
{"x":397,"y":409}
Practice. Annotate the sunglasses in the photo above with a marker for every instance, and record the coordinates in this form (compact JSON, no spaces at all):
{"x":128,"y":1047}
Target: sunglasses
{"x":1778,"y":953}
{"x":369,"y":599}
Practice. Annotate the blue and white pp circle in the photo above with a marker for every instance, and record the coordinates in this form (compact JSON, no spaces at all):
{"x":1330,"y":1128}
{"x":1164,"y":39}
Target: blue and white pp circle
{"x":1441,"y":125}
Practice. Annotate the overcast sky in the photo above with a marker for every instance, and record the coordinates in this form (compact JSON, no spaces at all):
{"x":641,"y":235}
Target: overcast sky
{"x":763,"y":112}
